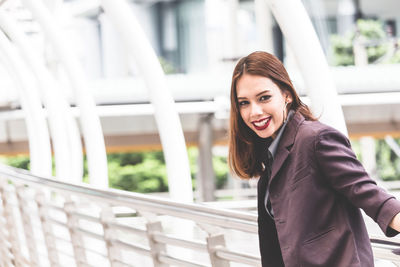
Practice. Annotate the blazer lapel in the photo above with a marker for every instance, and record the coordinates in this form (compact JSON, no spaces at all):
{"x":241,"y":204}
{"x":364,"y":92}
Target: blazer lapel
{"x":286,"y":143}
{"x":278,"y":161}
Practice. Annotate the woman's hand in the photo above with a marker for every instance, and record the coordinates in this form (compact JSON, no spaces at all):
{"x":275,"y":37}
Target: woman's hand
{"x":395,"y":223}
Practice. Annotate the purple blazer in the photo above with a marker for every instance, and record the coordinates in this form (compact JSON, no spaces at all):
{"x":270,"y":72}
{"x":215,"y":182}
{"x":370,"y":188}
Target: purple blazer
{"x":316,"y":189}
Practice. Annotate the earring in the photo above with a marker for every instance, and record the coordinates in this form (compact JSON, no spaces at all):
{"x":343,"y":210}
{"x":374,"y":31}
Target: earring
{"x":284,"y":109}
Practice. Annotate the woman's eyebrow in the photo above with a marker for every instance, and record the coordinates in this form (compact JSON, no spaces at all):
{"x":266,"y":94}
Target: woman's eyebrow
{"x":263,"y":92}
{"x":260,"y":93}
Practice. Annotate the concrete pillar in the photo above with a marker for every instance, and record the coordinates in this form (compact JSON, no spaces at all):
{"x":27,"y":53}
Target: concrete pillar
{"x":360,"y":51}
{"x":346,"y":15}
{"x":205,"y":175}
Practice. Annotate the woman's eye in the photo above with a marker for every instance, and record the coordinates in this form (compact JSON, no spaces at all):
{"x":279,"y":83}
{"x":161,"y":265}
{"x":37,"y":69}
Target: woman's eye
{"x":242,"y":103}
{"x":265,"y":97}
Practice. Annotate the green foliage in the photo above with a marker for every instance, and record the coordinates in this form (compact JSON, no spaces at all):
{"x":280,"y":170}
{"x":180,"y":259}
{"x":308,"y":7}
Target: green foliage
{"x":126,"y":158}
{"x":193,"y":154}
{"x":388,"y":163}
{"x":371,"y":29}
{"x":221,"y":171}
{"x":343,"y":50}
{"x":355,"y":145}
{"x":148,"y":175}
{"x":19,"y":161}
{"x":142,"y":172}
{"x":167,"y":67}
{"x":139,"y":172}
{"x":369,"y":32}
{"x":146,"y":172}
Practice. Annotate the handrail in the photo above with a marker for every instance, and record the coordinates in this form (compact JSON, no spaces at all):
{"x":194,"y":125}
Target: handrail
{"x":238,"y":220}
{"x":79,"y":206}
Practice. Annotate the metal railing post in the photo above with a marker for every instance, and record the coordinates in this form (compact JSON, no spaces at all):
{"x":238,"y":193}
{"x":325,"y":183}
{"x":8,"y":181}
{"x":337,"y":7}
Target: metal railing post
{"x":213,"y":242}
{"x":107,"y":218}
{"x":47,"y":229}
{"x":27,"y":226}
{"x":76,"y":238}
{"x":4,"y":251}
{"x":155,"y":247}
{"x":10,"y":224}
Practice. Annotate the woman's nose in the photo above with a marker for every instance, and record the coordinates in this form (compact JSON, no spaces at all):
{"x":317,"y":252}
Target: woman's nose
{"x":256,"y":109}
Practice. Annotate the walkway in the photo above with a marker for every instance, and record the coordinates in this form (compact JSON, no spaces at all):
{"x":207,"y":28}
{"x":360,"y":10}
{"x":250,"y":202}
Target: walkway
{"x":51,"y":223}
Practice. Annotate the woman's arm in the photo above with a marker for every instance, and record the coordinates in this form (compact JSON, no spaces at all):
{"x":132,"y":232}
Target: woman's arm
{"x":345,"y":174}
{"x":395,"y":223}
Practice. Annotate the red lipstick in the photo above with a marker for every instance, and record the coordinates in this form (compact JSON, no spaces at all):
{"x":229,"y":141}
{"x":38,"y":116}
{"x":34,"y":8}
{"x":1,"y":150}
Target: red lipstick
{"x":263,"y":127}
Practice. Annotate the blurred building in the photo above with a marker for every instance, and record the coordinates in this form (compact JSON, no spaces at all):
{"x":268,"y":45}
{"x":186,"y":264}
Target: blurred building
{"x":198,"y":43}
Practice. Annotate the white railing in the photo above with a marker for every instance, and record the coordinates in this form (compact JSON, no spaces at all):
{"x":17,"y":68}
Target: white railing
{"x":44,"y":222}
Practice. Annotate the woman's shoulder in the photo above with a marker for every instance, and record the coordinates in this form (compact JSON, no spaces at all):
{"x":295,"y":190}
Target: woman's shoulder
{"x":314,"y":129}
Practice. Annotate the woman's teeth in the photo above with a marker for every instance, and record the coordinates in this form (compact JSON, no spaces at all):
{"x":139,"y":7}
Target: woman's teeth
{"x":261,"y":123}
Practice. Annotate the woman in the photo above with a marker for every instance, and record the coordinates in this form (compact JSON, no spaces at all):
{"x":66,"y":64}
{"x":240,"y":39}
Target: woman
{"x":311,"y":185}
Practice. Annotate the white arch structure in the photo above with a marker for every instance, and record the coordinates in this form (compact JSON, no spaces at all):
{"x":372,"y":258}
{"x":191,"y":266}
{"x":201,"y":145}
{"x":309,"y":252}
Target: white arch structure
{"x":64,"y":131}
{"x":39,"y":140}
{"x":303,"y":40}
{"x":169,"y":126}
{"x":89,"y":120}
{"x":166,"y":116}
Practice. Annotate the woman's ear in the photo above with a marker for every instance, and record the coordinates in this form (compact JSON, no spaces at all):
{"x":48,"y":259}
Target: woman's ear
{"x":288,"y":98}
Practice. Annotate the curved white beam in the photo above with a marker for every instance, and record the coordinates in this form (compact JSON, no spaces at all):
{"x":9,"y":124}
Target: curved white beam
{"x":89,"y":120}
{"x":264,"y":25}
{"x":38,"y":134}
{"x":302,"y":39}
{"x":64,"y":131}
{"x":233,"y":36}
{"x":168,"y":123}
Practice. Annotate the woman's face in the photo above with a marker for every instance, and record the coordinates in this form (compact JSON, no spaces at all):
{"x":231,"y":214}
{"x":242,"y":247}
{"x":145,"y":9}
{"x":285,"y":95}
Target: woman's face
{"x":261,"y":104}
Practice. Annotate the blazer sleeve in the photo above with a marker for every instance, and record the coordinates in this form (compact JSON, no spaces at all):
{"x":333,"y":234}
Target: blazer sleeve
{"x":346,"y":175}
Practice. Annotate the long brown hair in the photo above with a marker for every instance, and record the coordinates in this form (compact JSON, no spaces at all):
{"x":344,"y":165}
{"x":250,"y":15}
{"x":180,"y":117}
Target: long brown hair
{"x":245,"y":147}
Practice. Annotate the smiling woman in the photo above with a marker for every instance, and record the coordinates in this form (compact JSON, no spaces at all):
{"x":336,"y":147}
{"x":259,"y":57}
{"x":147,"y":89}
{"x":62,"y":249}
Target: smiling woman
{"x":311,"y":185}
{"x":262,"y":104}
{"x":260,"y":84}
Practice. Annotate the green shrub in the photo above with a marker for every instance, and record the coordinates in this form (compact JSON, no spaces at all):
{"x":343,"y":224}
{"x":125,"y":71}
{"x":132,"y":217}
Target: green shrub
{"x":377,"y":44}
{"x":19,"y":161}
{"x":142,"y":172}
{"x":388,"y":163}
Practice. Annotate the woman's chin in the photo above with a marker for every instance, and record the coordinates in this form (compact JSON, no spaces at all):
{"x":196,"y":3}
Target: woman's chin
{"x":263,"y":134}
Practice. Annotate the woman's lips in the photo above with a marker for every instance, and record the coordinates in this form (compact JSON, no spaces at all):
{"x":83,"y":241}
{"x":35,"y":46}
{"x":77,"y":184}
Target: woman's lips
{"x":261,"y":124}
